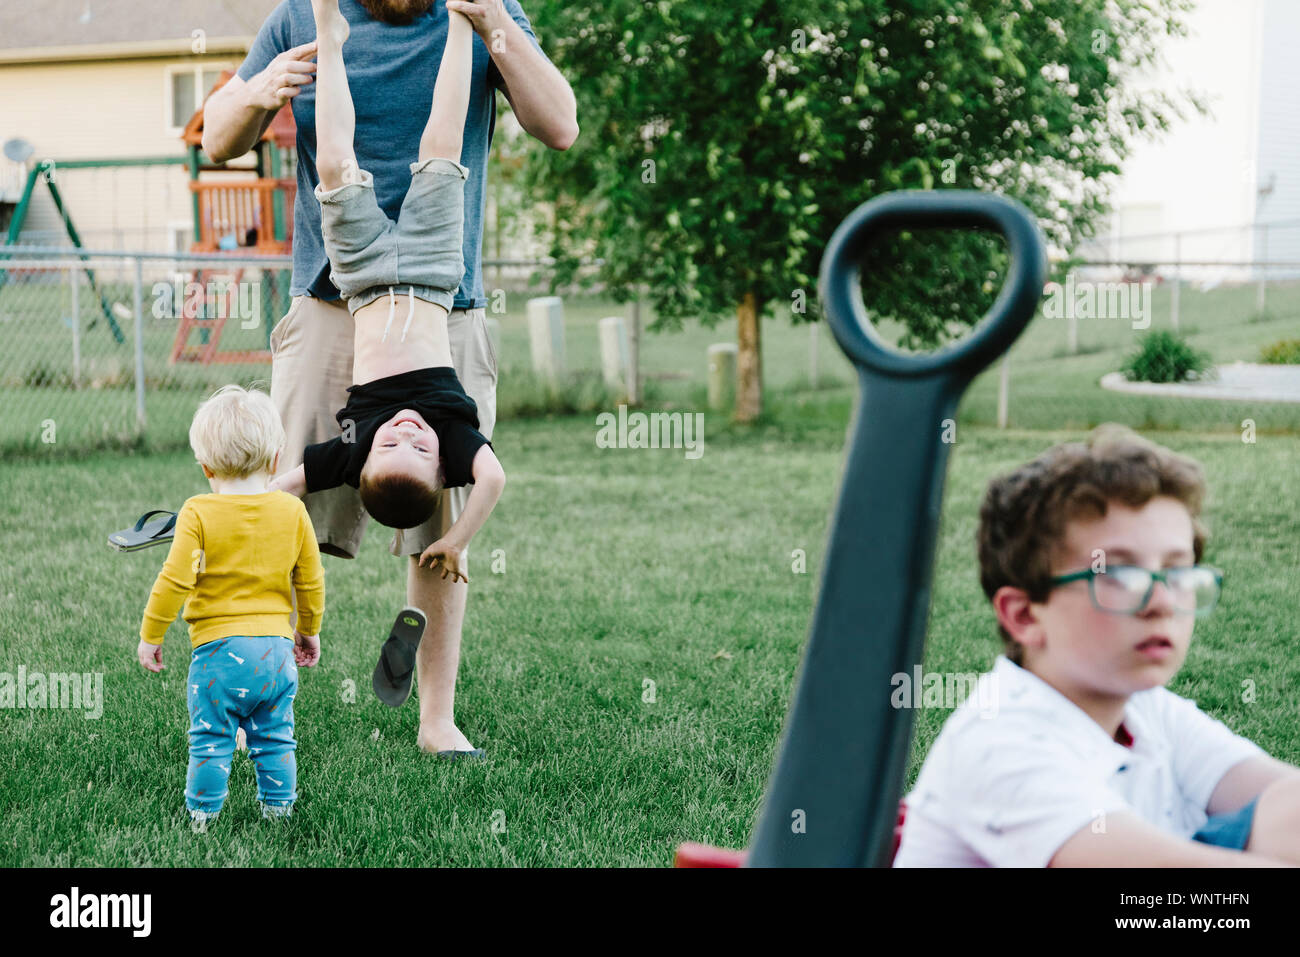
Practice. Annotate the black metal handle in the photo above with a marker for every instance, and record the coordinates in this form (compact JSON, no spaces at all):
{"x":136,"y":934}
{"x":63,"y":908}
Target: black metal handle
{"x":957,"y":209}
{"x":833,"y":796}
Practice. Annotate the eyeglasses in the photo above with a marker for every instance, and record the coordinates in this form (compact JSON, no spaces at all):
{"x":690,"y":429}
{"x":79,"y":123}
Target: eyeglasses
{"x":1126,"y":589}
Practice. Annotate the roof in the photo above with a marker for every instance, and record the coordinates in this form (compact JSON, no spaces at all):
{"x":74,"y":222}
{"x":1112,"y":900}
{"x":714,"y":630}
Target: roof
{"x":110,"y":29}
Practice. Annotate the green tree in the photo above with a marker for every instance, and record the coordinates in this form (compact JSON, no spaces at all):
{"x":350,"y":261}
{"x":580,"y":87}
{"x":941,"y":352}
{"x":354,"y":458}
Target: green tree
{"x":722,"y":144}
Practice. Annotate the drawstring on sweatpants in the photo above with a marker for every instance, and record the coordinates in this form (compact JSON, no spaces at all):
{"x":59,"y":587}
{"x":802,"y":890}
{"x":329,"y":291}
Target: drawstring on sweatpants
{"x":410,"y":292}
{"x":392,"y":308}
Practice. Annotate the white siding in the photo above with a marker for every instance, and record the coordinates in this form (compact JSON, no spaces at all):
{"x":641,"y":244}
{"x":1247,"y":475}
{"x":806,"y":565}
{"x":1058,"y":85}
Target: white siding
{"x":97,"y":110}
{"x":1279,"y":131}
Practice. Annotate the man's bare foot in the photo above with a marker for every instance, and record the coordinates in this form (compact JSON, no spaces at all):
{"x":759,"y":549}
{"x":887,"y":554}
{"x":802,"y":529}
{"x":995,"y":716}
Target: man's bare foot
{"x":330,"y":23}
{"x":442,"y":735}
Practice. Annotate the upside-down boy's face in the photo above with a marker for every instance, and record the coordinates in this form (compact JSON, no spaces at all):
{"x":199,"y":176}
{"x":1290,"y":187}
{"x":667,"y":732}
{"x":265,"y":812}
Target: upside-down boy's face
{"x":406,"y":443}
{"x":1076,"y":646}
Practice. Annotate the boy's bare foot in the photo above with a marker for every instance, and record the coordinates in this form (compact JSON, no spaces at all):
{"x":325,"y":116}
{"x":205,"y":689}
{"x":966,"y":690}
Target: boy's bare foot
{"x":330,"y":23}
{"x":441,"y":735}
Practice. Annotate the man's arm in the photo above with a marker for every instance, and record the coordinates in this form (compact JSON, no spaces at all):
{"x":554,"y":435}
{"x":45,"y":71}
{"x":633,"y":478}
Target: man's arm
{"x":1129,"y":841}
{"x":538,"y":93}
{"x":236,"y":116}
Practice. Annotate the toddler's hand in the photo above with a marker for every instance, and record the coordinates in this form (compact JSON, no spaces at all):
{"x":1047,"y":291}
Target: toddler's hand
{"x":306,"y":649}
{"x":149,"y":656}
{"x":447,"y":554}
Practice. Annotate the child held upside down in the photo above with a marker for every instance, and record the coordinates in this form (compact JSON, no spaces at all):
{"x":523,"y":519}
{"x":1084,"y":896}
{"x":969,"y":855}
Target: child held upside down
{"x":409,"y":429}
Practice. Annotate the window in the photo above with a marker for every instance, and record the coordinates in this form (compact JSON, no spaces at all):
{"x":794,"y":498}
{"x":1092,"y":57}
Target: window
{"x":180,"y":236}
{"x":187,"y":86}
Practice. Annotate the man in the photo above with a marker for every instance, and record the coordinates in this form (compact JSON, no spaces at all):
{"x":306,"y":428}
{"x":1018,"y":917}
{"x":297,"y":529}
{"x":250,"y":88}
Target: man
{"x":392,"y":58}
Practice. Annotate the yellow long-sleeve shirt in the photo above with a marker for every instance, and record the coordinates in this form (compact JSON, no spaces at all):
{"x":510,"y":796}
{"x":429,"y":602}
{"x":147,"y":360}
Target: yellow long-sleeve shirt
{"x":236,"y":562}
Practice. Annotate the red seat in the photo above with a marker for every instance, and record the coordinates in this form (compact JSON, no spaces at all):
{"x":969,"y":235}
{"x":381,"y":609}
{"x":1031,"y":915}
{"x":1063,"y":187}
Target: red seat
{"x":692,"y":854}
{"x":898,"y":830}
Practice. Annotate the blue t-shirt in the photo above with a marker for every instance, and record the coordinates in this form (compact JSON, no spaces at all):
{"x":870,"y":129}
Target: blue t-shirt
{"x":391,"y":71}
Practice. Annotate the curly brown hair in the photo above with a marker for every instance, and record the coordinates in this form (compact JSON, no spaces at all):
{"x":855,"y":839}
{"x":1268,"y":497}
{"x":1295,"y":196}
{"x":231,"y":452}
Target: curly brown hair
{"x":1024,"y":513}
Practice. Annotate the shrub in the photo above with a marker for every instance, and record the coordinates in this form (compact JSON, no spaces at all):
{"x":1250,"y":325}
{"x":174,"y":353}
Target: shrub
{"x":1164,"y":356}
{"x":1283,"y":352}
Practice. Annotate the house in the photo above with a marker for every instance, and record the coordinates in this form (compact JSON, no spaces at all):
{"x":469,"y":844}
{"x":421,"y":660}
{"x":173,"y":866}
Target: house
{"x":114,"y":80}
{"x":1224,"y":187}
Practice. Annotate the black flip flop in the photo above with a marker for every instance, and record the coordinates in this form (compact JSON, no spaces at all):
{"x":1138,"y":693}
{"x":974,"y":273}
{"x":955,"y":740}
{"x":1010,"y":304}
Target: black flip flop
{"x":392,"y":677}
{"x":146,"y":531}
{"x":453,"y":755}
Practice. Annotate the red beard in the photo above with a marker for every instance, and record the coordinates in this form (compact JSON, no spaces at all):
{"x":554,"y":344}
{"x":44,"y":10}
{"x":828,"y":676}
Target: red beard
{"x":400,"y":13}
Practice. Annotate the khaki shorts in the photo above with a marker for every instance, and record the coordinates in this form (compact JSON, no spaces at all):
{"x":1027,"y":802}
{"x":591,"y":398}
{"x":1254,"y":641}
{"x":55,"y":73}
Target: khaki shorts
{"x":311,"y":369}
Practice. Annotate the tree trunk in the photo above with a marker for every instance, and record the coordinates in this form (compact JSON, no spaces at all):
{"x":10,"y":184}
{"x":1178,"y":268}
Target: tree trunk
{"x":749,"y":360}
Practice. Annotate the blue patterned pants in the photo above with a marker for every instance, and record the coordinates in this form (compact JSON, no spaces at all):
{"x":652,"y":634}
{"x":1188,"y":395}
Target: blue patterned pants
{"x":249,"y":683}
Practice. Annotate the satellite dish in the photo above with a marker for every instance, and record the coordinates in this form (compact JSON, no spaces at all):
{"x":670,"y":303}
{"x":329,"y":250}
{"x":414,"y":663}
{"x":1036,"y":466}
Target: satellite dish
{"x":18,"y":150}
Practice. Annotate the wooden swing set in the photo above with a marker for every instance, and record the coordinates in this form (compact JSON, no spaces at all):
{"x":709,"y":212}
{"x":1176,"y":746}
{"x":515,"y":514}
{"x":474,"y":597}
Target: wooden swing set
{"x":238,"y":216}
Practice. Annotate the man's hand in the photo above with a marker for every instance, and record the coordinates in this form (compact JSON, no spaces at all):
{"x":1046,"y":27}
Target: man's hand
{"x":149,"y":656}
{"x":306,"y":649}
{"x":279,"y":82}
{"x":485,"y":15}
{"x":448,"y":554}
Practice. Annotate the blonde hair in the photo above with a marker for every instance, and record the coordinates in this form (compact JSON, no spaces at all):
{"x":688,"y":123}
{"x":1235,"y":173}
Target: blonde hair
{"x":236,"y":432}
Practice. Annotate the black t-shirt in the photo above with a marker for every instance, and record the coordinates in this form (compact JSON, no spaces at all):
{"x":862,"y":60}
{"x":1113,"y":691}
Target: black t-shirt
{"x":436,"y":393}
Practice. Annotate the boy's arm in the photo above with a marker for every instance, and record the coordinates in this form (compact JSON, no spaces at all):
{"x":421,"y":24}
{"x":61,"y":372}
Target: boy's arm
{"x":444,"y":134}
{"x":324,"y":465}
{"x":1129,"y":841}
{"x":309,"y":578}
{"x":293,"y":481}
{"x":489,"y":481}
{"x":1244,"y":782}
{"x":176,"y":580}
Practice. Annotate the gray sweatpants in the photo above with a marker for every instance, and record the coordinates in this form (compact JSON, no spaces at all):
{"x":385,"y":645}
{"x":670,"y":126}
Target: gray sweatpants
{"x":423,"y":250}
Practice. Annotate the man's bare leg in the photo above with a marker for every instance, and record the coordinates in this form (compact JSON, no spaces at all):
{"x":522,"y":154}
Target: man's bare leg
{"x":336,"y":119}
{"x":445,"y":131}
{"x":443,"y":603}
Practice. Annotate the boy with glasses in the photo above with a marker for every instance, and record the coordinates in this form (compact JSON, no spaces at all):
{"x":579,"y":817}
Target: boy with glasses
{"x":1091,"y":557}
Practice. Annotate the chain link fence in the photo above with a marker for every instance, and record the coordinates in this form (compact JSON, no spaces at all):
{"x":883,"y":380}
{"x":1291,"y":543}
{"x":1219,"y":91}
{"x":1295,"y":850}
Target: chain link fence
{"x":110,"y":349}
{"x":1232,"y":295}
{"x":103,"y":349}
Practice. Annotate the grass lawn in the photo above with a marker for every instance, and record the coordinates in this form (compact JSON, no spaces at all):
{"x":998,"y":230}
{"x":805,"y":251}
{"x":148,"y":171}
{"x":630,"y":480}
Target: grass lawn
{"x":621,"y":566}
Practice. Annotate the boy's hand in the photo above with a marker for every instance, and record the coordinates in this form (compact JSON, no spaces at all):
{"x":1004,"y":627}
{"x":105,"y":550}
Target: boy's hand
{"x":306,"y":649}
{"x":293,"y":481}
{"x":149,"y":656}
{"x":445,"y":553}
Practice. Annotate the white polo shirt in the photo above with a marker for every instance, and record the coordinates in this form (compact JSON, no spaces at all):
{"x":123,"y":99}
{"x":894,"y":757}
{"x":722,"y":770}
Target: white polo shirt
{"x":1006,"y":787}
